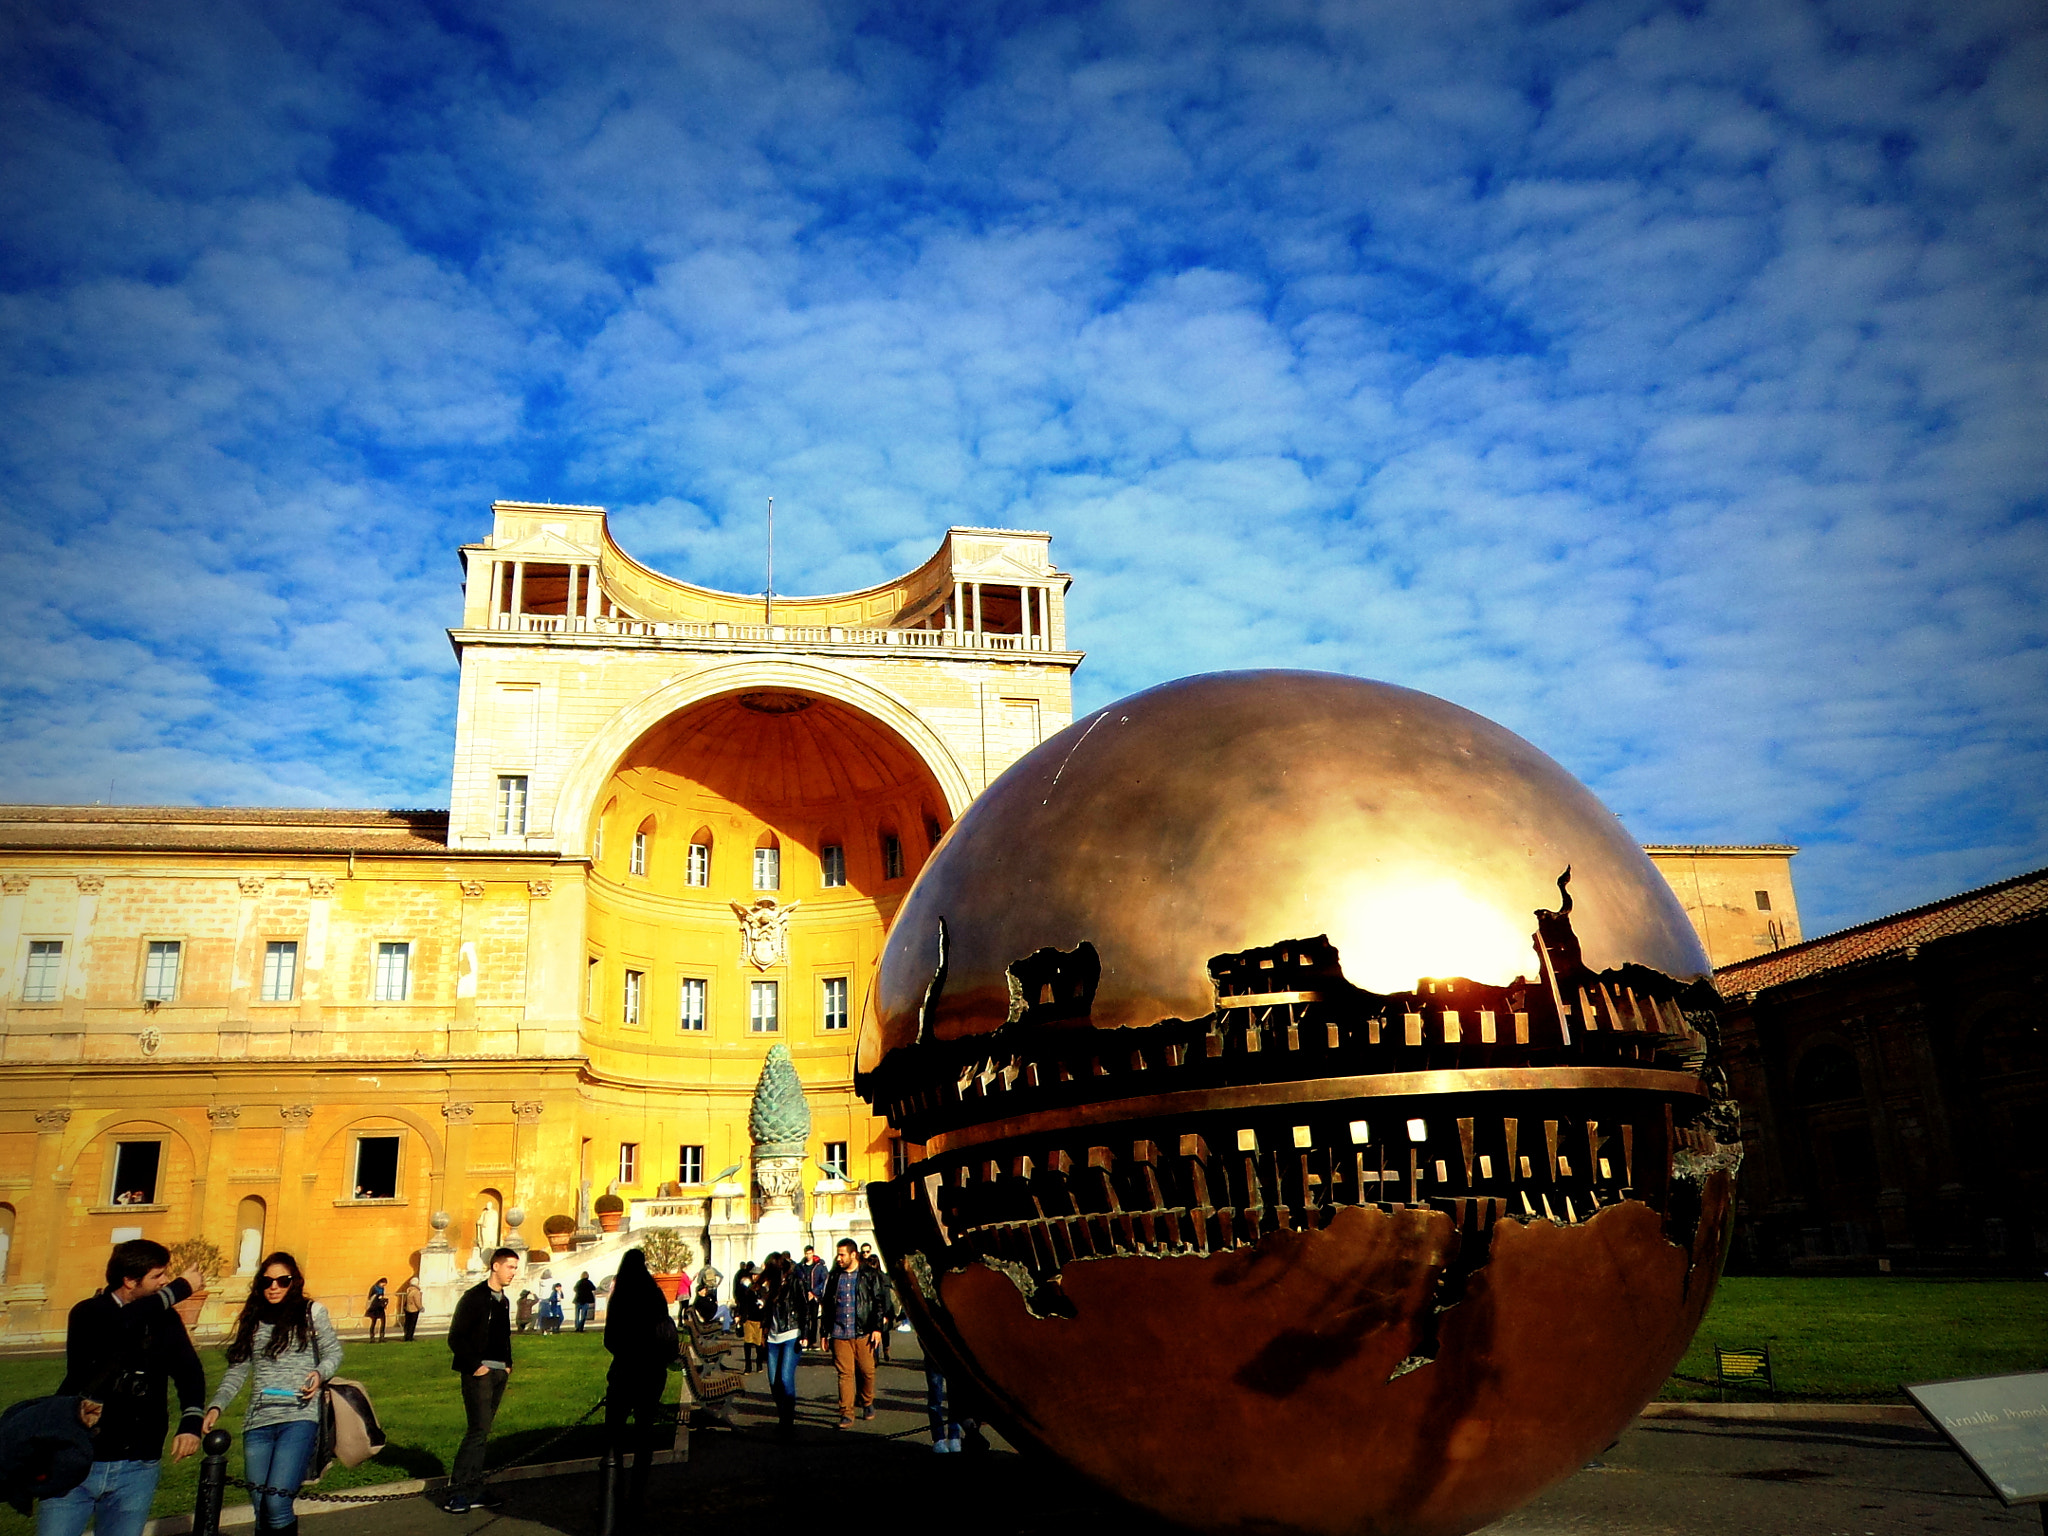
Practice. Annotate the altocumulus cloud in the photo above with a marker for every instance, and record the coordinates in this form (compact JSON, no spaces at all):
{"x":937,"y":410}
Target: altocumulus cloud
{"x":1665,"y":383}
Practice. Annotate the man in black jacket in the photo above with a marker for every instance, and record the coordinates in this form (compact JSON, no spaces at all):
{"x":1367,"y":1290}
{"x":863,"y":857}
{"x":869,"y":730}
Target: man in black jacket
{"x":586,"y":1301}
{"x":850,"y":1314}
{"x":120,"y":1349}
{"x":480,"y":1339}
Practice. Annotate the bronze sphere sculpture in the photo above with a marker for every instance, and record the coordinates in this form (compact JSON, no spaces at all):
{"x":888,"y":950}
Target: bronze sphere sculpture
{"x":1319,"y":1116}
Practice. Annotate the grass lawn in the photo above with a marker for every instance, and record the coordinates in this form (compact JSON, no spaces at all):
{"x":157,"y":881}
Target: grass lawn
{"x":1830,"y":1339}
{"x":418,"y":1402}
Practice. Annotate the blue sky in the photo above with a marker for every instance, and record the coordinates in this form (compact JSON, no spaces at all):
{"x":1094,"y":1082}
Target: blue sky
{"x":1665,"y":383}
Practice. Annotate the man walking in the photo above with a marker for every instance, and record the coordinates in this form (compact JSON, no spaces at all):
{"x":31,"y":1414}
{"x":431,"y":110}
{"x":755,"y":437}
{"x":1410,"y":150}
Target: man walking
{"x":480,"y":1339}
{"x":811,"y":1272}
{"x":586,"y":1301}
{"x":852,"y":1316}
{"x":412,"y":1301}
{"x":121,"y":1346}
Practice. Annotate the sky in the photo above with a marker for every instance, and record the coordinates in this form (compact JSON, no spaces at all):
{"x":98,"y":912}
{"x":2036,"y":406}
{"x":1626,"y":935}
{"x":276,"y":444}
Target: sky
{"x":1664,"y":382}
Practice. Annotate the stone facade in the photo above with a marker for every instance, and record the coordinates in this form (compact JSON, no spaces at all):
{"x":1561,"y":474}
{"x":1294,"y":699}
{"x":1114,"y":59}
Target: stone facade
{"x":1740,"y":899}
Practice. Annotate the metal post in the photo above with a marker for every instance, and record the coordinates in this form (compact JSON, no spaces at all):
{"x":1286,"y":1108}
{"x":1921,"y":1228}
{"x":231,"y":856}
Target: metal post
{"x":213,"y":1483}
{"x":611,"y":1470}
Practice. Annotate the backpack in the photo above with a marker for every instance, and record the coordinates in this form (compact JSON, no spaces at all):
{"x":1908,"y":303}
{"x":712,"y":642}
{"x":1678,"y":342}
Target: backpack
{"x":349,"y":1431}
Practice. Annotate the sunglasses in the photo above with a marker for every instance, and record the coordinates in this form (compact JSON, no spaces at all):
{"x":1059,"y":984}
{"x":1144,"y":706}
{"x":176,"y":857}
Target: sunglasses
{"x":273,"y":1282}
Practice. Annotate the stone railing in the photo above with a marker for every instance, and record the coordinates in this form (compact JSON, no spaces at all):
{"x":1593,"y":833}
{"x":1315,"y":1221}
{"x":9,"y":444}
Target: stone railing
{"x":762,"y":634}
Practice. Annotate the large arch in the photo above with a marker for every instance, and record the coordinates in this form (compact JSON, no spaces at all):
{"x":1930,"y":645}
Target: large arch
{"x":608,"y":747}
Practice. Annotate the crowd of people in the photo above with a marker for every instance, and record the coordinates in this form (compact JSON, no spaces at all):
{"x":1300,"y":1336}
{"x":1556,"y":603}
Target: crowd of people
{"x":90,"y":1456}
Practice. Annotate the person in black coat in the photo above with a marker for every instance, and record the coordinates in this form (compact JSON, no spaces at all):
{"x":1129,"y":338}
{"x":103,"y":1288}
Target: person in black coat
{"x":480,"y":1341}
{"x":641,"y":1339}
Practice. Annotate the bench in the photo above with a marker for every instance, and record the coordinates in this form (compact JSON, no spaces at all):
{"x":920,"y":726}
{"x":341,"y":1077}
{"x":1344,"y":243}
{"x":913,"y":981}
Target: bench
{"x":709,"y":1390}
{"x":705,"y":1338}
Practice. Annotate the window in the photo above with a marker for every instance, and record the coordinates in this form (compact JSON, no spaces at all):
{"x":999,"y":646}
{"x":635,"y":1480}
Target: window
{"x":629,"y":1162}
{"x":135,"y":1169}
{"x":280,"y":970}
{"x":512,"y":805}
{"x":899,"y":1157}
{"x":892,"y":856}
{"x":638,"y":863}
{"x":698,"y":870}
{"x":691,"y":1015}
{"x":376,"y":1168}
{"x":630,"y":1010}
{"x":689,"y":1165}
{"x":593,"y":989}
{"x":597,"y":843}
{"x":44,"y":975}
{"x":835,"y":1002}
{"x":764,"y":1001}
{"x":160,"y":970}
{"x":767,"y":869}
{"x":932,"y":831}
{"x":835,"y":1159}
{"x":394,"y":973}
{"x":1763,"y":901}
{"x":832,"y":861}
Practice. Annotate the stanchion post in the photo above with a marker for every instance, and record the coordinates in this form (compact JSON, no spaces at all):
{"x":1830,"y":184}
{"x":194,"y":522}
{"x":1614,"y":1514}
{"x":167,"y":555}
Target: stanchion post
{"x":213,"y":1483}
{"x":611,"y":1491}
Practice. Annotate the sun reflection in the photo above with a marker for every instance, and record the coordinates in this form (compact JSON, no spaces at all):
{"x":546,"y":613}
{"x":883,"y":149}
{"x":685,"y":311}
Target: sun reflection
{"x":1394,"y":932}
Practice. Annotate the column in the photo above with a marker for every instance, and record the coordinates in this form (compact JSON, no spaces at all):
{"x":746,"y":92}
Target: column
{"x":78,"y":953}
{"x":497,"y":570}
{"x":1892,"y":1213}
{"x":453,"y":1196}
{"x":518,"y":591}
{"x":313,"y":970}
{"x":525,"y":1158}
{"x":211,"y":1197}
{"x":247,"y":972}
{"x":959,"y":607}
{"x":38,"y":1235}
{"x":294,"y":1180}
{"x":569,"y":608}
{"x":977,"y":610}
{"x":1024,"y":609}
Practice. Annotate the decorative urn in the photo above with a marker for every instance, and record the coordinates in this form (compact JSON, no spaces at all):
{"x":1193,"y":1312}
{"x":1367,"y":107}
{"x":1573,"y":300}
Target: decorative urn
{"x":1313,"y":1106}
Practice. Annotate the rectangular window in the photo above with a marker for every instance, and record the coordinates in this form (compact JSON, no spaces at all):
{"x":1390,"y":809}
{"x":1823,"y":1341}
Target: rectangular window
{"x":280,"y":970}
{"x":638,"y":863}
{"x":597,"y":843}
{"x":698,"y":871}
{"x":832,"y":864}
{"x":835,"y":1158}
{"x":892,"y":856}
{"x":135,"y":1170}
{"x":1763,"y":901}
{"x":767,"y":869}
{"x":635,"y":980}
{"x":764,"y":1005}
{"x":512,"y":804}
{"x":691,"y":1016}
{"x":376,"y":1168}
{"x":394,"y":973}
{"x":689,"y":1165}
{"x":899,"y":1157}
{"x":160,"y":970}
{"x":45,"y":973}
{"x":835,"y":1002}
{"x":629,"y":1162}
{"x":593,"y":989}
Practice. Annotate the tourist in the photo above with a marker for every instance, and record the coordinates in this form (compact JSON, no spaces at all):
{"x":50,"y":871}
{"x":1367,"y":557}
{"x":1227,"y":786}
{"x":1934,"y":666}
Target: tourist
{"x":412,"y":1301}
{"x":46,"y":1448}
{"x":706,"y":1304}
{"x":480,"y":1340}
{"x":375,"y":1307}
{"x":851,"y":1316}
{"x":586,"y":1301}
{"x":286,"y":1342}
{"x":551,"y":1311}
{"x":529,"y":1305}
{"x":870,"y":1260}
{"x":946,"y":1411}
{"x":126,"y":1342}
{"x":811,"y":1274}
{"x":782,"y":1323}
{"x":746,"y":1306}
{"x":641,"y":1339}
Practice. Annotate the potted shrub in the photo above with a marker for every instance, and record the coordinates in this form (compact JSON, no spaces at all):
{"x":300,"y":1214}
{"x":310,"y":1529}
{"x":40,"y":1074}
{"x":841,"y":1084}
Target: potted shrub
{"x":559,"y":1230}
{"x":611,"y":1210}
{"x":195,"y":1253}
{"x":668,"y":1257}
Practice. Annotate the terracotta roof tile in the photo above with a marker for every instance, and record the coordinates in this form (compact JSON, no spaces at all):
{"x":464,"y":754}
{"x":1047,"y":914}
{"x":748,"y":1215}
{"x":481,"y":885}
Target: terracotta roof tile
{"x":2009,"y":901}
{"x":226,"y":829}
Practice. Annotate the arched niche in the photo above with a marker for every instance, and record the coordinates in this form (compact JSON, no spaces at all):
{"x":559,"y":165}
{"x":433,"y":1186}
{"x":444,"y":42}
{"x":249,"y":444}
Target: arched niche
{"x":252,"y":1225}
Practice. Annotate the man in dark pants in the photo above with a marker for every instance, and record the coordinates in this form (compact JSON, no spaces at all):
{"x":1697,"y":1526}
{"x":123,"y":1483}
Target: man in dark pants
{"x":811,"y":1272}
{"x":586,"y":1301}
{"x":120,"y":1348}
{"x":480,"y":1339}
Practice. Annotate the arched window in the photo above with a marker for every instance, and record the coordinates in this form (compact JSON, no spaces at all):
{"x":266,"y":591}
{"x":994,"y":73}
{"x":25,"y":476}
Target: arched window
{"x":892,"y":854}
{"x":251,"y":1219}
{"x":642,"y":844}
{"x":831,"y":861}
{"x":768,"y":863}
{"x":1827,"y":1075}
{"x":597,"y":833}
{"x":698,"y":870}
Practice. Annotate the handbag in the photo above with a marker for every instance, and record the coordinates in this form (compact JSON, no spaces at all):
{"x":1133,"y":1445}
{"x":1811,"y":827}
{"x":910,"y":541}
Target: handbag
{"x":349,"y":1431}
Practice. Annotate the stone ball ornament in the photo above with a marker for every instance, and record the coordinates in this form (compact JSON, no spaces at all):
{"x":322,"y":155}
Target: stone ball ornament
{"x":1313,"y":1104}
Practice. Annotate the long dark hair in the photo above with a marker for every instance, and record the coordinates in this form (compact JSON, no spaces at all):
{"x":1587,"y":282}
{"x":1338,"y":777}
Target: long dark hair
{"x":293,"y":1316}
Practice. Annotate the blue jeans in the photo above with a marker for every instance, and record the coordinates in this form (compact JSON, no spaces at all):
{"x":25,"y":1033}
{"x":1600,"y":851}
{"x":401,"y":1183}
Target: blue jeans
{"x":114,"y":1500}
{"x":782,"y":1369}
{"x":275,"y":1455}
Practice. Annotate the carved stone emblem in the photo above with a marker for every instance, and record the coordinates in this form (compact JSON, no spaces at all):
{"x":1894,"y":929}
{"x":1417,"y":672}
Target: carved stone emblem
{"x":150,"y":1040}
{"x":764,"y":932}
{"x":14,"y":885}
{"x":780,"y":1181}
{"x":91,"y":883}
{"x":224,"y":1117}
{"x":527,"y":1111}
{"x":540,"y":889}
{"x":296,"y":1114}
{"x":252,"y":885}
{"x":472,"y":889}
{"x":51,"y":1121}
{"x":320,"y":885}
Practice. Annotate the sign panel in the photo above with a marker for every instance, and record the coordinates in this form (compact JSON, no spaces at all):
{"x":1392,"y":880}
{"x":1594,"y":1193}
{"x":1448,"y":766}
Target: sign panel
{"x":2001,"y":1424}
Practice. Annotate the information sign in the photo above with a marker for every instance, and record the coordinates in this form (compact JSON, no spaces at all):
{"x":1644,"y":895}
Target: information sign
{"x":2001,"y":1424}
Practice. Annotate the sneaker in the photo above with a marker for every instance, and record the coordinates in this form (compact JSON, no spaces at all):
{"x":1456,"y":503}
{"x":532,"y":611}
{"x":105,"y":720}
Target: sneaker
{"x":943,"y":1446}
{"x":844,"y":1424}
{"x":456,"y":1504}
{"x":487,"y":1499}
{"x":868,"y":1412}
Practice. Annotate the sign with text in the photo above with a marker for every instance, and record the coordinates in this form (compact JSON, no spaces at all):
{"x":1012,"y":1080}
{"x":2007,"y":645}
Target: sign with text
{"x":2001,"y":1424}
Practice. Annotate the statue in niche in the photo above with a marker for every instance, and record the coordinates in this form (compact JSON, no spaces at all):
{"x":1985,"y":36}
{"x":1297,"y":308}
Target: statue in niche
{"x":764,"y":932}
{"x":486,"y":1232}
{"x":250,"y":1253}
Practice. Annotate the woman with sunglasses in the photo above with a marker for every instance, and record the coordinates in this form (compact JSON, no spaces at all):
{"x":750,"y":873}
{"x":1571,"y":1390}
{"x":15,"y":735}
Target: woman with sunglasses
{"x":286,"y":1342}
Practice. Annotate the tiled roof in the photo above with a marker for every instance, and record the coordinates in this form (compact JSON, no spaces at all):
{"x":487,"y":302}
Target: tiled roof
{"x":2009,"y":901}
{"x":234,"y":829}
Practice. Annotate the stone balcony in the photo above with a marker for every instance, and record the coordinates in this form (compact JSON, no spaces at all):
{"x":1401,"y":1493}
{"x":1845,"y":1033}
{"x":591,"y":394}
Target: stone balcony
{"x":806,"y":635}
